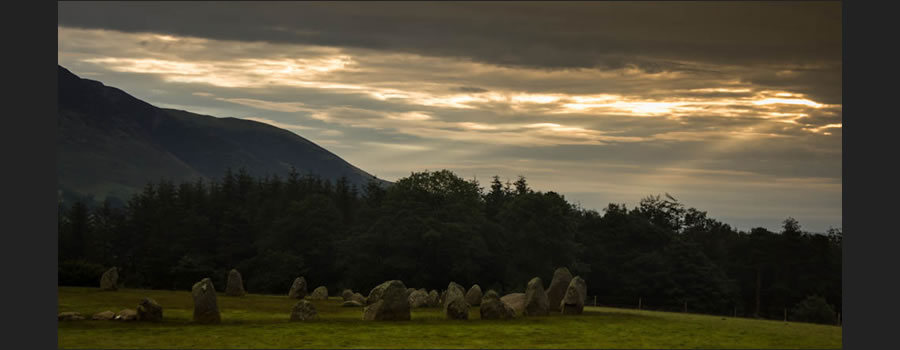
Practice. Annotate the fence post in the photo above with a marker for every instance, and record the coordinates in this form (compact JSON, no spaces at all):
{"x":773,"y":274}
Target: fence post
{"x":785,"y":314}
{"x":595,"y":300}
{"x":735,"y":311}
{"x":839,"y":319}
{"x":685,"y":306}
{"x":639,"y":303}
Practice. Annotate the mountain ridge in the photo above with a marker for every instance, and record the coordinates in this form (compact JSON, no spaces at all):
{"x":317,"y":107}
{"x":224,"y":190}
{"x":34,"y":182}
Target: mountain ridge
{"x":110,"y":144}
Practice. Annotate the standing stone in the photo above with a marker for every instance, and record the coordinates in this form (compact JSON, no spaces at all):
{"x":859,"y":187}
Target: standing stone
{"x":320,"y":293}
{"x":516,"y":301}
{"x":347,"y":295}
{"x":149,"y":310}
{"x":376,"y":293}
{"x":573,"y":303}
{"x":103,"y":316}
{"x":126,"y":315}
{"x":455,"y":305}
{"x":433,"y":299}
{"x":387,"y":302}
{"x":235,"y":285}
{"x":473,"y":296}
{"x":492,"y":308}
{"x":69,"y":316}
{"x":206,"y":307}
{"x":298,"y":289}
{"x":417,"y":299}
{"x":359,"y":298}
{"x":558,"y":286}
{"x":536,"y":303}
{"x":304,"y":310}
{"x":409,"y":291}
{"x":443,"y":297}
{"x":110,"y":279}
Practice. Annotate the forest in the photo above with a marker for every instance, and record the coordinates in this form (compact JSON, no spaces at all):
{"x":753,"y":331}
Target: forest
{"x":434,"y":227}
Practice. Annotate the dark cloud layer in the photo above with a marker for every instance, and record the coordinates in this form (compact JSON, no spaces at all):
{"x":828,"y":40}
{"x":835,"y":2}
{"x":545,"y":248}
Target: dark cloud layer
{"x":735,"y":106}
{"x":551,"y":34}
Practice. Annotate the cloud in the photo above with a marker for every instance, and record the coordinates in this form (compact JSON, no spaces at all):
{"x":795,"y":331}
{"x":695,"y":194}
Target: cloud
{"x":578,"y":119}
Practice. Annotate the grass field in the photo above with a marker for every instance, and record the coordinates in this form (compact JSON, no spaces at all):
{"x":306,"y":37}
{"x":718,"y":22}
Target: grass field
{"x":261,"y":321}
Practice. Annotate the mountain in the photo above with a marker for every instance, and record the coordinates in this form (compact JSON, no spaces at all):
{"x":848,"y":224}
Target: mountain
{"x":111,"y":144}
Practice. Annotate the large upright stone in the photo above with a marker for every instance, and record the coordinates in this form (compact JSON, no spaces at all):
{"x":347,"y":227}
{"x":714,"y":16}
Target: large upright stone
{"x":473,"y":296}
{"x":455,"y":305}
{"x":516,"y":301}
{"x":235,"y":285}
{"x":206,"y":307}
{"x":442,"y":297}
{"x":492,"y":308}
{"x":376,"y":293}
{"x":573,"y":302}
{"x":433,"y":299}
{"x":387,"y":302}
{"x":417,"y":299}
{"x":298,"y":288}
{"x":557,"y":289}
{"x":110,"y":279}
{"x":320,"y":293}
{"x":149,"y":310}
{"x":304,"y":310}
{"x":347,"y":295}
{"x":536,"y":303}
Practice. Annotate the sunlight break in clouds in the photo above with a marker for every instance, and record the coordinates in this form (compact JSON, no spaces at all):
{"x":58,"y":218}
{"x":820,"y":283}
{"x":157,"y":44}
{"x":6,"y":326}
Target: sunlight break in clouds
{"x":698,"y":128}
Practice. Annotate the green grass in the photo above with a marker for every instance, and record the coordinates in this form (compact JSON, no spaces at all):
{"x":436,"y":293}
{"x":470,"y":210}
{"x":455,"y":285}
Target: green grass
{"x":261,"y":321}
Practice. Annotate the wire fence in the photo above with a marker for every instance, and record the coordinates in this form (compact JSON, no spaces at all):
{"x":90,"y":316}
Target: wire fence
{"x":671,"y":305}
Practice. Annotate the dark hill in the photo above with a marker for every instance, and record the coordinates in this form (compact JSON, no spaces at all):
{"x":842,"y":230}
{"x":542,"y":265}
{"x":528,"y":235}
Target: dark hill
{"x":111,"y":144}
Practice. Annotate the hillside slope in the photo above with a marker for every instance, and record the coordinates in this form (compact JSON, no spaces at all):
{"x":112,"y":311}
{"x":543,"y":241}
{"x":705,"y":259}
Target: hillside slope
{"x":111,"y":144}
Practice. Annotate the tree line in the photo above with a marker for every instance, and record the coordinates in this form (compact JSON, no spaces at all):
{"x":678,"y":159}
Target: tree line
{"x":434,"y":227}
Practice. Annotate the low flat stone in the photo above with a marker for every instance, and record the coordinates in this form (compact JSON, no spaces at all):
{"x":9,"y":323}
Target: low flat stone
{"x":352,"y":303}
{"x":126,"y":315}
{"x":103,"y":316}
{"x":69,"y":316}
{"x":359,"y":298}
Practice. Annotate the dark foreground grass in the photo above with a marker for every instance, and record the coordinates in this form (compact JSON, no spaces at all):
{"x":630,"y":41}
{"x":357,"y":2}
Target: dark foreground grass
{"x":261,"y":321}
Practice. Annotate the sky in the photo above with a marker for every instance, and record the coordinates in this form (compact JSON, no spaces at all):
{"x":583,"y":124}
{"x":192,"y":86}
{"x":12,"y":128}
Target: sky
{"x":733,"y":108}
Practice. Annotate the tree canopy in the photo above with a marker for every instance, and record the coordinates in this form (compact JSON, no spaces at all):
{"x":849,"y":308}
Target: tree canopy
{"x":434,"y":227}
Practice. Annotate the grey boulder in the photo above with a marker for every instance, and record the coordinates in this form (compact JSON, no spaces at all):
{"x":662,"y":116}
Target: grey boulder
{"x":387,"y":302}
{"x":304,"y":310}
{"x":235,"y":285}
{"x":573,"y":302}
{"x":492,"y":308}
{"x":206,"y":306}
{"x":536,"y":303}
{"x":298,"y":288}
{"x":558,"y":286}
{"x":110,"y":279}
{"x":149,"y":310}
